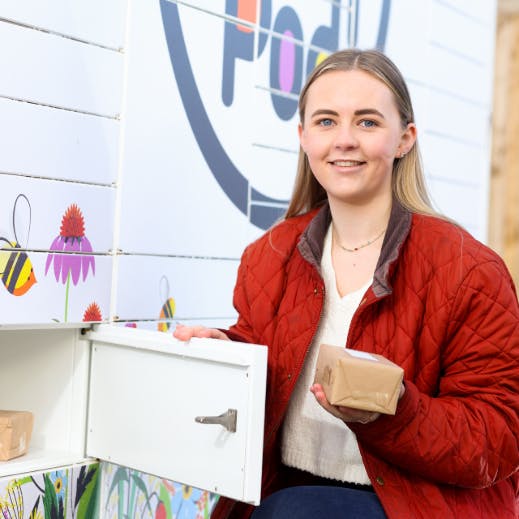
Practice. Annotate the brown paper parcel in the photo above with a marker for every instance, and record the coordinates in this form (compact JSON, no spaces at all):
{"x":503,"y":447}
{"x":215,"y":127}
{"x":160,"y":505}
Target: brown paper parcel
{"x":358,"y":379}
{"x":15,"y":433}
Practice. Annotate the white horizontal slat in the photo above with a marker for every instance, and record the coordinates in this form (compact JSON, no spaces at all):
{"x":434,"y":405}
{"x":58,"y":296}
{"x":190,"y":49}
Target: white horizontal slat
{"x":52,"y":143}
{"x":462,"y":33}
{"x":479,"y":11}
{"x":44,"y":208}
{"x":96,"y":21}
{"x":200,"y":287}
{"x":453,"y":74}
{"x":447,"y":196}
{"x":444,"y":156}
{"x":48,"y":301}
{"x":51,"y":70}
{"x":211,"y":6}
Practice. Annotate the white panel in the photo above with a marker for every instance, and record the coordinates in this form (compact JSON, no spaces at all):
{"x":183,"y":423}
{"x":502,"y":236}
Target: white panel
{"x":210,"y":6}
{"x":462,"y":32}
{"x":49,"y":301}
{"x":420,"y":98}
{"x":454,"y":74}
{"x":466,"y":122}
{"x":171,"y":202}
{"x":312,"y":14}
{"x":273,"y":97}
{"x":449,"y":158}
{"x":201,"y":288}
{"x":480,"y":11}
{"x":276,"y":181}
{"x":46,"y":372}
{"x":40,"y":213}
{"x":163,"y":394}
{"x":96,"y":21}
{"x":453,"y":200}
{"x":52,"y":70}
{"x":369,"y":16}
{"x":446,"y":55}
{"x":407,"y":34}
{"x":47,"y":142}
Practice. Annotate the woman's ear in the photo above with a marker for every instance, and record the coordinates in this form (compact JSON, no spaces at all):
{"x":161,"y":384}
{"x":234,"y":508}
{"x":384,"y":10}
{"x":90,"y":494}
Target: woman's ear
{"x":300,"y":132}
{"x":408,"y":138}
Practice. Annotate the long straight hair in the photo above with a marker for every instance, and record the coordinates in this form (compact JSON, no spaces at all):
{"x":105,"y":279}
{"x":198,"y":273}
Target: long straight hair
{"x":408,"y":183}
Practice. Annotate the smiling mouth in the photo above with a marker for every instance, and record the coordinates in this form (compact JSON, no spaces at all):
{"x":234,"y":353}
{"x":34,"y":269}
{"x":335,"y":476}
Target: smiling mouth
{"x":347,"y":163}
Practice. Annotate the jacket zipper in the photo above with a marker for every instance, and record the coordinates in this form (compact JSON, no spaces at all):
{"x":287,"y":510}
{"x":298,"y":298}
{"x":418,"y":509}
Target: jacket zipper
{"x":300,"y":366}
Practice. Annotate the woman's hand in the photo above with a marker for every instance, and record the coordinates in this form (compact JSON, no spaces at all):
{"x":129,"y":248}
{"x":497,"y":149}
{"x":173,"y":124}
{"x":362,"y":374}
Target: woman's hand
{"x":346,"y":414}
{"x":184,"y":333}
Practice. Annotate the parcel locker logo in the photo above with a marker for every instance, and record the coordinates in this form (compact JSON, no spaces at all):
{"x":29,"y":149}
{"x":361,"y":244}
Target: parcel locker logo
{"x":289,"y":64}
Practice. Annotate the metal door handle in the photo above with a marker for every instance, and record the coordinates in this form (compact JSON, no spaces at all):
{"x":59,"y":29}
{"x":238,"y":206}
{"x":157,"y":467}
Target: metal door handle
{"x":227,"y":419}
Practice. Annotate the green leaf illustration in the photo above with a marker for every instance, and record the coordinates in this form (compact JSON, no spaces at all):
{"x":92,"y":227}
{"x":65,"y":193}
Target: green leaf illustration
{"x":87,"y":502}
{"x":166,"y":499}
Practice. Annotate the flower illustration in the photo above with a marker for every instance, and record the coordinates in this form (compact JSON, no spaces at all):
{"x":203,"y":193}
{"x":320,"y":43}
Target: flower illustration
{"x":59,"y":479}
{"x":55,"y":494}
{"x":160,"y":511}
{"x":73,"y":244}
{"x":36,"y":514}
{"x":11,"y":504}
{"x":184,"y":501}
{"x":92,"y":313}
{"x":71,"y":239}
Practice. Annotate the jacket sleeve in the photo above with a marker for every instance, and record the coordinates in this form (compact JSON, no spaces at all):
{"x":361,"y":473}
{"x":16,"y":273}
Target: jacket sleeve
{"x":242,"y":330}
{"x":468,"y":434}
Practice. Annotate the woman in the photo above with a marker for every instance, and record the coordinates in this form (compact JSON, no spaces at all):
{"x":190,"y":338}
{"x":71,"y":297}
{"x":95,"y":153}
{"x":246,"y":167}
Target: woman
{"x":362,"y":260}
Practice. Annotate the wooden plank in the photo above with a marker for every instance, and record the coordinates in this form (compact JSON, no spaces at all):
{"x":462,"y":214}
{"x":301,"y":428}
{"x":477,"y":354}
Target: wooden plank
{"x":47,"y":142}
{"x":95,"y":21}
{"x":56,"y":71}
{"x":504,"y":207}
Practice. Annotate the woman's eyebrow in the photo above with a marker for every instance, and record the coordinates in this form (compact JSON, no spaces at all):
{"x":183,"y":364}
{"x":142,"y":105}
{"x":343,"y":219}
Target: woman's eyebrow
{"x":325,"y":111}
{"x":369,"y":111}
{"x":362,"y":111}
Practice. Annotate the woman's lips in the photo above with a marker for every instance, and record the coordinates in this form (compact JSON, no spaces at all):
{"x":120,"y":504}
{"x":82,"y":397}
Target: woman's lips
{"x":347,"y":163}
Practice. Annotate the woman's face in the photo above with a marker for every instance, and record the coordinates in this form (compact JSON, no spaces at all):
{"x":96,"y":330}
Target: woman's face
{"x":351,"y":134}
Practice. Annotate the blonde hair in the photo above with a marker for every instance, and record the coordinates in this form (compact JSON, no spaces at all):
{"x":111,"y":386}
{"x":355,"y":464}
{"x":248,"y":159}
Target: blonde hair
{"x":408,"y":182}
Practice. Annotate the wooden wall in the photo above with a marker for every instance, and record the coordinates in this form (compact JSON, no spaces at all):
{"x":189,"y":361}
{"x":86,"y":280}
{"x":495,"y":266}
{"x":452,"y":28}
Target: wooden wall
{"x":504,"y":186}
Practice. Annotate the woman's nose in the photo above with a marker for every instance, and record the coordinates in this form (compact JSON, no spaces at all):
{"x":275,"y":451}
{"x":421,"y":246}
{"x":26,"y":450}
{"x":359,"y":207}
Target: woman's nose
{"x":345,"y":137}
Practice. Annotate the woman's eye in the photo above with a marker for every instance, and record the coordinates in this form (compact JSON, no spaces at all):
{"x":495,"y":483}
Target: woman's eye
{"x":368,"y":123}
{"x":325,"y":122}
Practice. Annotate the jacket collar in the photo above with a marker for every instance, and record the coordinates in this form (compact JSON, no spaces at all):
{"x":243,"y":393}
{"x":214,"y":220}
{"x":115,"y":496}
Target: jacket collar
{"x":312,"y":240}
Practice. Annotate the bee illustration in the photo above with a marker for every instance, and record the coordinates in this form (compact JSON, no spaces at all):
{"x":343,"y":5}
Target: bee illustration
{"x":168,"y":308}
{"x":16,"y":270}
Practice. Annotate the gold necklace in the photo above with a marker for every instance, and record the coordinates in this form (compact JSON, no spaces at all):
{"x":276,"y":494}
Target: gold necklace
{"x":369,"y":242}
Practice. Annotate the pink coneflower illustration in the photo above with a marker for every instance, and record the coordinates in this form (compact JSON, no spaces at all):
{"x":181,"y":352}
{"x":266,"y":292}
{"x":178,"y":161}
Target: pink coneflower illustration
{"x":92,"y":313}
{"x":71,"y":239}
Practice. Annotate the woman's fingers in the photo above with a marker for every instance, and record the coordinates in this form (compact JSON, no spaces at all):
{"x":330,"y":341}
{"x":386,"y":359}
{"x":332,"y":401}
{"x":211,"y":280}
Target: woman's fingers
{"x":184,"y":333}
{"x":347,"y":414}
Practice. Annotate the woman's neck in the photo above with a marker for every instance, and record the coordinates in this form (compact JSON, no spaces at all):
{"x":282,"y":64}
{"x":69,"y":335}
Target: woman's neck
{"x":354,"y":225}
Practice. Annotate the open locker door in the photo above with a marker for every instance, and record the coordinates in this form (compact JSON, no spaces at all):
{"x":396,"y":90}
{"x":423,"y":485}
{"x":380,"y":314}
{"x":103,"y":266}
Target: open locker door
{"x":191,"y":412}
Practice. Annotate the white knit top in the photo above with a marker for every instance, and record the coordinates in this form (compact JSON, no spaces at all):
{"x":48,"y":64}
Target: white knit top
{"x":313,"y":439}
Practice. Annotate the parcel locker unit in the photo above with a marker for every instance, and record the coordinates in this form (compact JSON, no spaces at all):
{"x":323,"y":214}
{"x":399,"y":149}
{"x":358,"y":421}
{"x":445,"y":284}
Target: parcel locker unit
{"x":189,"y":412}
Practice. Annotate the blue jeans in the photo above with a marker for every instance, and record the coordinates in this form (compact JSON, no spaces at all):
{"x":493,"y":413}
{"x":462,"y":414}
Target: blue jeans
{"x":320,"y":502}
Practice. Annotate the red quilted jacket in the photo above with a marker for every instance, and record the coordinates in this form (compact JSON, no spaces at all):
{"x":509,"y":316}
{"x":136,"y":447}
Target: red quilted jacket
{"x":442,"y":306}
